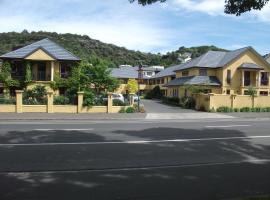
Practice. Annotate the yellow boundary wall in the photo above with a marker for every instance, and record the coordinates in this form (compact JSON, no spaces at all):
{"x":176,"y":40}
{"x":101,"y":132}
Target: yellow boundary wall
{"x":214,"y":101}
{"x":50,"y":108}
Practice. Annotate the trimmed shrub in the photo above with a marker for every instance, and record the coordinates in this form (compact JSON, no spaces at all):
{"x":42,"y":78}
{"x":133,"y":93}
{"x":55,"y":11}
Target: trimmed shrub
{"x":267,"y":109}
{"x":8,"y":101}
{"x":212,"y":110}
{"x":130,"y":110}
{"x":189,"y":103}
{"x":224,"y":109}
{"x":236,"y":110}
{"x":171,"y":100}
{"x":155,"y":93}
{"x":245,"y":109}
{"x":122,"y":110}
{"x":61,"y":100}
{"x":117,"y":102}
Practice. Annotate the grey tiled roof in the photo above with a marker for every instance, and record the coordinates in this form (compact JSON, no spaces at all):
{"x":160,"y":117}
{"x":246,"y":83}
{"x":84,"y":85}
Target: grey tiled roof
{"x":194,"y":80}
{"x":50,"y":47}
{"x":169,"y":71}
{"x":214,"y":59}
{"x":250,"y":66}
{"x":129,"y":72}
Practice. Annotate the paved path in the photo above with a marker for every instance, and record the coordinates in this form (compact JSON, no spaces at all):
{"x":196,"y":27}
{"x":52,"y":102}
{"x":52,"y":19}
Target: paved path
{"x":130,"y":159}
{"x":155,"y":106}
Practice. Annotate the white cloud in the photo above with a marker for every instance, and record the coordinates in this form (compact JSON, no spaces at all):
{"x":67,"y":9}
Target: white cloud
{"x":118,"y":22}
{"x":211,"y":7}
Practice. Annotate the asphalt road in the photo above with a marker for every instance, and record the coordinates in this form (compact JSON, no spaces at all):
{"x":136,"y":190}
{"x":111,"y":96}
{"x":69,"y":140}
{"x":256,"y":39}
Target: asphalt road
{"x":134,"y":160}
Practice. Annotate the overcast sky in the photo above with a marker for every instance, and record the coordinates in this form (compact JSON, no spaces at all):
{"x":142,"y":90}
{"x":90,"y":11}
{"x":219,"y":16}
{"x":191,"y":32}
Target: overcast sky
{"x":156,"y":28}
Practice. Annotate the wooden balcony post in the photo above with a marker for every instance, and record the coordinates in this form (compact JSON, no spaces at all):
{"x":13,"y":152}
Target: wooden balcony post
{"x":52,"y":70}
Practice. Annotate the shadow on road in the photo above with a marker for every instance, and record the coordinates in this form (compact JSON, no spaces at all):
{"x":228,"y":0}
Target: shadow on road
{"x":209,"y":169}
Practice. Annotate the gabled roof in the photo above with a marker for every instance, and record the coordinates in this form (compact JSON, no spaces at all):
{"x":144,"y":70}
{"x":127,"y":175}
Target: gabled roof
{"x":194,"y":80}
{"x":169,"y":71}
{"x":127,"y":72}
{"x":216,"y":59}
{"x":250,"y":66}
{"x":48,"y":46}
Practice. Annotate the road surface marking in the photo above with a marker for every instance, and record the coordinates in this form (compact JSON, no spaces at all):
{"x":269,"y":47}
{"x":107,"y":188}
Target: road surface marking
{"x":135,"y":141}
{"x":252,"y":161}
{"x":66,"y":129}
{"x":227,"y":126}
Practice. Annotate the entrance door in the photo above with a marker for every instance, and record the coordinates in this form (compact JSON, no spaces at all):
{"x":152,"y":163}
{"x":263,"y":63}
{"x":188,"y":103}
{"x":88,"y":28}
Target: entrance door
{"x":247,"y":78}
{"x":41,"y":72}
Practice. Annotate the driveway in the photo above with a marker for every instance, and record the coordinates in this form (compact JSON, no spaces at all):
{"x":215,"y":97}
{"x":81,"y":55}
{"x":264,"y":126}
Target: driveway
{"x":156,"y":106}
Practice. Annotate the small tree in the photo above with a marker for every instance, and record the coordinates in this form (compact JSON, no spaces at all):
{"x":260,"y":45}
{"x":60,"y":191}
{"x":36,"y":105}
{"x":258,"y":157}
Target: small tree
{"x":132,"y":86}
{"x":252,"y":91}
{"x":5,"y":77}
{"x":28,"y":75}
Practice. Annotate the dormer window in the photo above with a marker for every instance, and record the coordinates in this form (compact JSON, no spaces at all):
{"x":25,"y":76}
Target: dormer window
{"x":185,"y":73}
{"x":203,"y":72}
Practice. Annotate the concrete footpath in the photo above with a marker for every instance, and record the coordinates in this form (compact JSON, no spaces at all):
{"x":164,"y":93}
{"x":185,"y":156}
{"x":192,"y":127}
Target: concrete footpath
{"x":131,"y":116}
{"x":70,"y":116}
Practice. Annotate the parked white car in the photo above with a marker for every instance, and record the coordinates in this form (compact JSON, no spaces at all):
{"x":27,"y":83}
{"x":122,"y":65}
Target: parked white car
{"x":116,"y":96}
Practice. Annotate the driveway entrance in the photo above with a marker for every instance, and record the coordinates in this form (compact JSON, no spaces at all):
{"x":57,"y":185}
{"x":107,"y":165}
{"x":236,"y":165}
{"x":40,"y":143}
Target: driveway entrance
{"x":156,"y":106}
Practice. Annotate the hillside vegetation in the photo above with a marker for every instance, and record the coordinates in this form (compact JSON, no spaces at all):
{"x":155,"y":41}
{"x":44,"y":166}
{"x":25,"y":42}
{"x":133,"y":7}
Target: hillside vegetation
{"x":97,"y":51}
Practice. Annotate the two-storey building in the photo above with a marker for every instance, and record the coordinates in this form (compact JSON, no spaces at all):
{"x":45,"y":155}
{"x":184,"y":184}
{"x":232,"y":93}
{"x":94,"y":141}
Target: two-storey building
{"x":232,"y":72}
{"x":46,"y":59}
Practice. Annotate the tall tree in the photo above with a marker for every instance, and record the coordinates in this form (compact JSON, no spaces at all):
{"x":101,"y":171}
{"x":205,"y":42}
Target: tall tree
{"x":236,"y":7}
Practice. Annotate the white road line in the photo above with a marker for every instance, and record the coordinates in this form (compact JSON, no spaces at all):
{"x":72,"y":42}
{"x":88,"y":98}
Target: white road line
{"x":252,"y":161}
{"x":135,"y":141}
{"x":66,"y":129}
{"x":227,"y":126}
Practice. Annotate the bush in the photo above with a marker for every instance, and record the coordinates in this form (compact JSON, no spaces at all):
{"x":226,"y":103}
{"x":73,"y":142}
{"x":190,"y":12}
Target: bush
{"x":36,"y":96}
{"x":171,"y":100}
{"x":245,"y":109}
{"x":89,"y":98}
{"x":117,"y":102}
{"x":236,"y":110}
{"x":155,"y":93}
{"x":141,"y":110}
{"x":212,"y":110}
{"x":188,"y":102}
{"x":61,"y":100}
{"x":224,"y":109}
{"x":122,"y":110}
{"x":8,"y":101}
{"x":130,"y":110}
{"x":267,"y":109}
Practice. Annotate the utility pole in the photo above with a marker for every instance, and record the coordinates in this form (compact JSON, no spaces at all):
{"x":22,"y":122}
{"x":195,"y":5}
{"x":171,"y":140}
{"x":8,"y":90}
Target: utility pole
{"x":140,"y":78}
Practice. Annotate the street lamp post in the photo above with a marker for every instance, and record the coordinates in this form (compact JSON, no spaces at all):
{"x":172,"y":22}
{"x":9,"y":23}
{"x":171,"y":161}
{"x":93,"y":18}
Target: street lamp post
{"x":140,"y":78}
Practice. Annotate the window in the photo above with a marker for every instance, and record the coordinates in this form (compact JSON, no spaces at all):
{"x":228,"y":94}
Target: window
{"x":1,"y":91}
{"x":17,"y":69}
{"x":162,"y":81}
{"x":228,"y":76}
{"x":185,"y":73}
{"x":228,"y":92}
{"x":203,"y":72}
{"x":149,"y":73}
{"x":65,"y":69}
{"x":264,"y":78}
{"x":263,"y":93}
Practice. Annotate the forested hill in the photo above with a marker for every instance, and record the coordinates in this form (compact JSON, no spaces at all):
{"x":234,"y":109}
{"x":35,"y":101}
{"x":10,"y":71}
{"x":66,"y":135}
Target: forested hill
{"x":96,"y":51}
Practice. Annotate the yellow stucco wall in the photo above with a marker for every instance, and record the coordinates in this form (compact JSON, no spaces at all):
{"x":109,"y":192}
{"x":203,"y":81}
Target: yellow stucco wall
{"x":248,"y":57}
{"x":39,"y":55}
{"x":34,"y":108}
{"x":7,"y":108}
{"x":65,"y":109}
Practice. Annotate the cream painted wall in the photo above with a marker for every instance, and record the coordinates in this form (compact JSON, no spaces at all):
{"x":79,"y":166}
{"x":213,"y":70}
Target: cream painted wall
{"x":39,"y":55}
